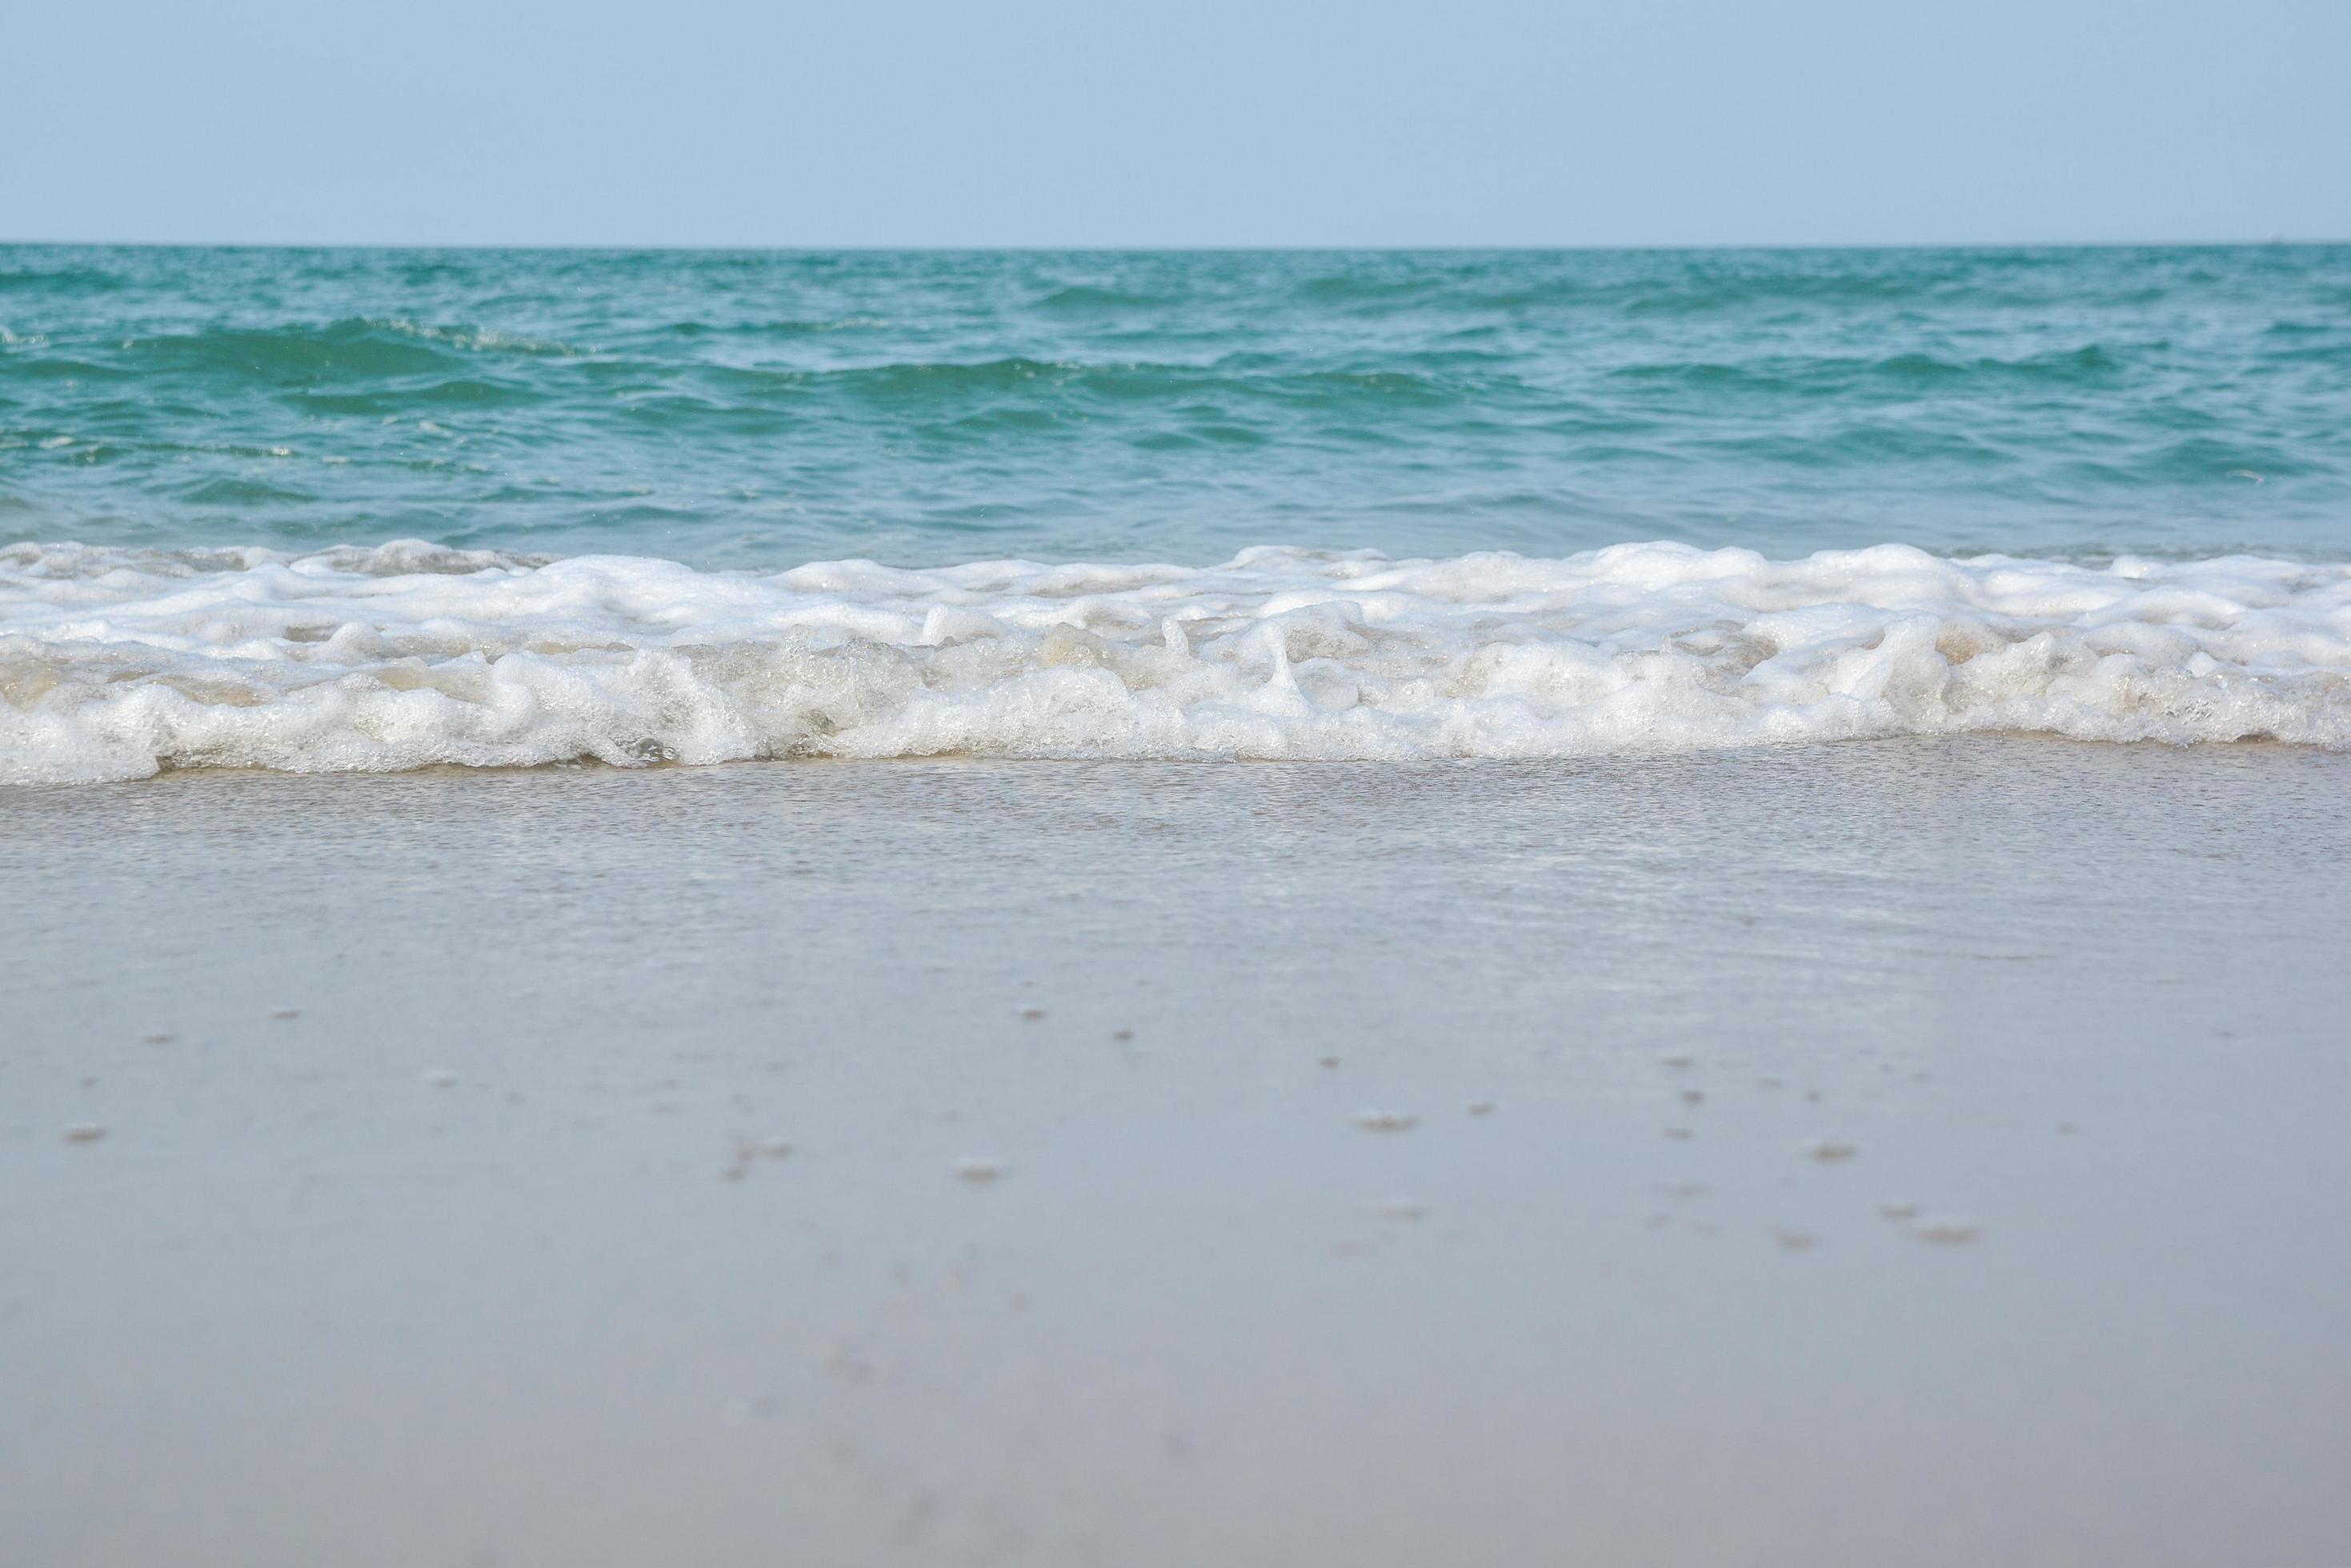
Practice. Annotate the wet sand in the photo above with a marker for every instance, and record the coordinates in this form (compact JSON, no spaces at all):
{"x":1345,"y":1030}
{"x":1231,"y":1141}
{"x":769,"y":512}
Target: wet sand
{"x":1890,"y":1153}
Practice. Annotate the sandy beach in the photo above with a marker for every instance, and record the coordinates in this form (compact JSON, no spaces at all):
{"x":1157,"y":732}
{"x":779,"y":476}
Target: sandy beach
{"x":1921,"y":1152}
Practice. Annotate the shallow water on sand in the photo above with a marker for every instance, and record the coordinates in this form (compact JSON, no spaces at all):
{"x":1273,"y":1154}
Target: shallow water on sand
{"x":1917,"y":1151}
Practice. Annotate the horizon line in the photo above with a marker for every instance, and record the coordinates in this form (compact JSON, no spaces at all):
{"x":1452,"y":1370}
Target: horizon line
{"x":2281,"y":240}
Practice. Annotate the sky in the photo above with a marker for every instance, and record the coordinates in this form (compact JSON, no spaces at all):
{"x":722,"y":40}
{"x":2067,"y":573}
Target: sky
{"x":1184,"y":122}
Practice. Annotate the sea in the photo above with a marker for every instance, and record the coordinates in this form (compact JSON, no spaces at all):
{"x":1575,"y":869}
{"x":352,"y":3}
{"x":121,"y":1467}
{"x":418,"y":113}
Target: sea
{"x":383,"y":509}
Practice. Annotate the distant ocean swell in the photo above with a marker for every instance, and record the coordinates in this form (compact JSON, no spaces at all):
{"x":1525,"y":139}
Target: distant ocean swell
{"x":749,"y":410}
{"x":116,"y":663}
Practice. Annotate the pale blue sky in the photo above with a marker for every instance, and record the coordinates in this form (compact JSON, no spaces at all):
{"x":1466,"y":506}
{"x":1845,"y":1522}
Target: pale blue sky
{"x":1190,"y":122}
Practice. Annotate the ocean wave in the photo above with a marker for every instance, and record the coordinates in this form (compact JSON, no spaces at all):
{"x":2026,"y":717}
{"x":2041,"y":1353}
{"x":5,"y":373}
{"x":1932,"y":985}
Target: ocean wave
{"x":1727,"y":284}
{"x":353,"y":348}
{"x":1081,"y":297}
{"x":117,"y":663}
{"x":473,"y":339}
{"x":1913,"y":370}
{"x":953,"y":383}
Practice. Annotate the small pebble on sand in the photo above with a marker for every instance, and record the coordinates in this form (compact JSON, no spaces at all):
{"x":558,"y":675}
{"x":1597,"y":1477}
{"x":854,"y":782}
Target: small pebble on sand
{"x":439,"y":1078}
{"x":1032,"y":1014}
{"x":1829,"y":1152}
{"x":284,"y":1014}
{"x":1326,"y":1061}
{"x":161,"y":1037}
{"x":85,"y":1132}
{"x":1795,"y":1240}
{"x":1678,"y":1063}
{"x":1481,"y":1107}
{"x":747,"y":1149}
{"x":980,"y":1172}
{"x":1122,"y":1035}
{"x":1385,"y":1121}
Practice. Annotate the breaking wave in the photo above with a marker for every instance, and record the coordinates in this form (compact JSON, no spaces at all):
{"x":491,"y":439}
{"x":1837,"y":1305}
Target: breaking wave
{"x":117,"y":663}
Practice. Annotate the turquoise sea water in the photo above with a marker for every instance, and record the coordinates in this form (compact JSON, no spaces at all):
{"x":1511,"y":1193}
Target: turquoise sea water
{"x":761,"y":410}
{"x":374,"y":510}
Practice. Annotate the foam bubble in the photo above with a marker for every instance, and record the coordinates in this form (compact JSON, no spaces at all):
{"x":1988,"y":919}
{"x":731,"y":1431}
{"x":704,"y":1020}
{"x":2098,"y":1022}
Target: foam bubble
{"x":117,"y":663}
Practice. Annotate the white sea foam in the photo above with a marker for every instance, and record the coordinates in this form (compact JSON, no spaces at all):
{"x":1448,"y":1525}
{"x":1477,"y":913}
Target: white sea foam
{"x":115,"y":663}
